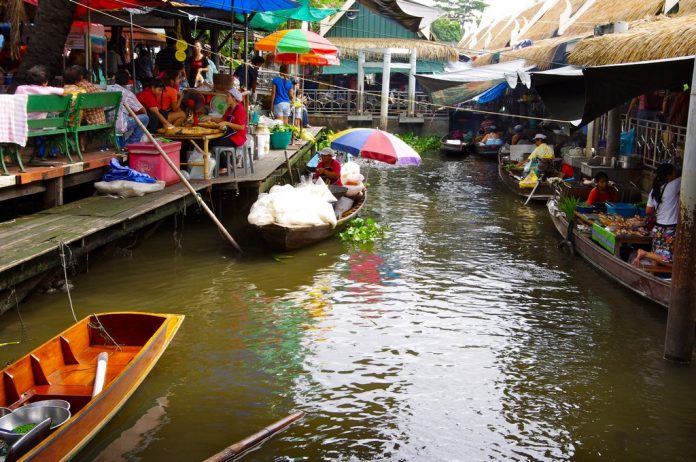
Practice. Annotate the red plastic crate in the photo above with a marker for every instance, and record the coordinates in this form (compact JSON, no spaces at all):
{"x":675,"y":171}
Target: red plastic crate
{"x":144,"y":157}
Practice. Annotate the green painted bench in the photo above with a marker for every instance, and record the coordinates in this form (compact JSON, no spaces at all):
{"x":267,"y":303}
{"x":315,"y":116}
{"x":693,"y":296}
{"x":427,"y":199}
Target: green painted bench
{"x":54,"y":125}
{"x":109,"y":101}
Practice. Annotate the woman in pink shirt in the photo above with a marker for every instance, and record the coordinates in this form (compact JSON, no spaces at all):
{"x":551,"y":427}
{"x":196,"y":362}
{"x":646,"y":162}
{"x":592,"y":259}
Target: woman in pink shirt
{"x":37,"y":84}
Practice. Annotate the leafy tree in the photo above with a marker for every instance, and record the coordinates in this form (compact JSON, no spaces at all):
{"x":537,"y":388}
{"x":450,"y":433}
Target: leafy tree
{"x":463,"y":11}
{"x":447,"y":30}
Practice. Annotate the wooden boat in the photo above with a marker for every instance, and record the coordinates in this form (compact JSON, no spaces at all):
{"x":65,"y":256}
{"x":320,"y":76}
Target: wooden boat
{"x":454,"y":147}
{"x":487,"y":151}
{"x":291,"y":238}
{"x":512,"y":178}
{"x":64,"y":368}
{"x":639,"y":281}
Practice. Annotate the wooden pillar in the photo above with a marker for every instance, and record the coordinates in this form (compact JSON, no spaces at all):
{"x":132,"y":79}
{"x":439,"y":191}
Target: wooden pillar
{"x":589,"y":142}
{"x":386,"y":74}
{"x":361,"y":82}
{"x":53,"y":196}
{"x":679,"y":338}
{"x":412,"y":83}
{"x":613,"y":131}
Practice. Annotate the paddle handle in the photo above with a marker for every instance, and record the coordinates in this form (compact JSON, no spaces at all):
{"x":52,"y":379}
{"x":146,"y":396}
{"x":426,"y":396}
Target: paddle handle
{"x":183,"y":179}
{"x":100,"y":376}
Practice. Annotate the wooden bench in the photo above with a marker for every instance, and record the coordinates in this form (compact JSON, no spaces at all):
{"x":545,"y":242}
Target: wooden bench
{"x":54,"y":125}
{"x":103,"y":100}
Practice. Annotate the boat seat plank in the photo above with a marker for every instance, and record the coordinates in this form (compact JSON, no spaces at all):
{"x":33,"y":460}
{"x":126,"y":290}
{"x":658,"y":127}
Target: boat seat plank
{"x":63,"y":390}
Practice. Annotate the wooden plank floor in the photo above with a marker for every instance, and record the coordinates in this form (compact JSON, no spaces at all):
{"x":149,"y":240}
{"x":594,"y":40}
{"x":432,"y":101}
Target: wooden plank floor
{"x":34,"y":235}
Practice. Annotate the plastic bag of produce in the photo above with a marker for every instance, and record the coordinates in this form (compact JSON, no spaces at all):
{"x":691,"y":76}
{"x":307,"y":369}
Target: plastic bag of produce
{"x":125,"y":188}
{"x":342,"y":206}
{"x":353,"y":179}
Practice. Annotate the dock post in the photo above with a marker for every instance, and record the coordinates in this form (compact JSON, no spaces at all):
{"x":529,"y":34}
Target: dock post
{"x":679,"y":339}
{"x":361,"y":82}
{"x":386,"y":71}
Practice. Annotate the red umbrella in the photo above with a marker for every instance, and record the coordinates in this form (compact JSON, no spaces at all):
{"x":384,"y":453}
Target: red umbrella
{"x":310,"y":59}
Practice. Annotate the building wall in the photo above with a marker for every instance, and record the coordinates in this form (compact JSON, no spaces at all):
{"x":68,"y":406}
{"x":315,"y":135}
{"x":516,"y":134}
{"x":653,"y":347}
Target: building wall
{"x":368,"y":25}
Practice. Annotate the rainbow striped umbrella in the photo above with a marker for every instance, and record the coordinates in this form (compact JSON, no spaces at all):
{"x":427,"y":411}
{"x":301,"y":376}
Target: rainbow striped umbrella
{"x":296,"y":41}
{"x":373,"y":143}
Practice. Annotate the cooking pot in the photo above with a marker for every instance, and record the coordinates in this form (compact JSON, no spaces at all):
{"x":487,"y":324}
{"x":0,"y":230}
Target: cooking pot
{"x":629,"y":162}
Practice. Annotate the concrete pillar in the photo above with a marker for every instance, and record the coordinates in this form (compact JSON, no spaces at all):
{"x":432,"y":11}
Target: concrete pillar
{"x":679,"y":338}
{"x":589,"y":143}
{"x":412,"y":83}
{"x":613,"y":131}
{"x":386,"y":73}
{"x":361,"y":82}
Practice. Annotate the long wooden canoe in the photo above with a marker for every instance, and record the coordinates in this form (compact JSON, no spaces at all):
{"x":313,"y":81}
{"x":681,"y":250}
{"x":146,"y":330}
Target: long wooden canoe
{"x":292,"y":238}
{"x":639,"y":281}
{"x":65,"y":366}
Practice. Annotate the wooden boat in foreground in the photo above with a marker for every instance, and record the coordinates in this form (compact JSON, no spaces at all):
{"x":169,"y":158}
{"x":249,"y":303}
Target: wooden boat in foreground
{"x":65,"y":366}
{"x":291,"y":238}
{"x":639,"y":281}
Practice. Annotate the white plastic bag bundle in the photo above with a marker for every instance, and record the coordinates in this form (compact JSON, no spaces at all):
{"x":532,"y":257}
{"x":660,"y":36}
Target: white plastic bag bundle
{"x":342,"y":206}
{"x":353,"y":179}
{"x":123,"y":188}
{"x":308,"y":205}
{"x":260,"y":213}
{"x":197,"y":172}
{"x":347,"y":169}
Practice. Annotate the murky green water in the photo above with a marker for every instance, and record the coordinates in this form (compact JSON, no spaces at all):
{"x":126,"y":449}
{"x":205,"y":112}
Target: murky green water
{"x":464,"y":336}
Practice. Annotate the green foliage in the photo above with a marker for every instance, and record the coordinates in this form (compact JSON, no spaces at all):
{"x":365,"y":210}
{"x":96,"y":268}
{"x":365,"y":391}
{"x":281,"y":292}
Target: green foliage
{"x":421,"y":144}
{"x":362,"y":232}
{"x":447,"y":30}
{"x":568,"y":205}
{"x":324,"y":141}
{"x":463,"y":11}
{"x":282,"y":128}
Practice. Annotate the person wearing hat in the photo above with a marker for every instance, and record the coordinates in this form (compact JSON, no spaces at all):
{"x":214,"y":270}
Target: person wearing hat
{"x":328,"y":169}
{"x":491,"y":134}
{"x":233,"y":121}
{"x":519,"y":129}
{"x":212,"y":68}
{"x":542,"y":156}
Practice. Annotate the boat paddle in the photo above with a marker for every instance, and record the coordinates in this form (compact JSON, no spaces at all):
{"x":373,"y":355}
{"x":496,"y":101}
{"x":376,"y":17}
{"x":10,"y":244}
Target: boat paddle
{"x":183,"y":179}
{"x":533,"y":190}
{"x":241,"y":447}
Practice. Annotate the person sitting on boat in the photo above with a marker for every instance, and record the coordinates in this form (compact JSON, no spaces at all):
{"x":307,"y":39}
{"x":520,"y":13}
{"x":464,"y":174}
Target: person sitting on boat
{"x":602,"y":192}
{"x":328,"y":169}
{"x":663,"y":202}
{"x":541,"y":159}
{"x":491,"y":136}
{"x":519,"y":130}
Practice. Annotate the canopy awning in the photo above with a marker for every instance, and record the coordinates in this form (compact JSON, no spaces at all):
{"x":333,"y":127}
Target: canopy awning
{"x":411,"y":14}
{"x":245,"y":6}
{"x":350,"y":66}
{"x":271,"y":20}
{"x":580,"y":95}
{"x":498,"y":71}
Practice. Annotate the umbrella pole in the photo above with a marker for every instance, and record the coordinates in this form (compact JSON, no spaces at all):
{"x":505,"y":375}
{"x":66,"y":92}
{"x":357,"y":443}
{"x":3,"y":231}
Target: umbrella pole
{"x":132,"y":43}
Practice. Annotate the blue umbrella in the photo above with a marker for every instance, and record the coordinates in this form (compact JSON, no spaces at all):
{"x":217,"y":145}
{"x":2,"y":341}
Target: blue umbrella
{"x":245,"y":6}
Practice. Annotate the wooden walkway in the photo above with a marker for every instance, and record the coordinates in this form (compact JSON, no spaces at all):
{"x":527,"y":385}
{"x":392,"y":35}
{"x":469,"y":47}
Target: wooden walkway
{"x":29,"y":246}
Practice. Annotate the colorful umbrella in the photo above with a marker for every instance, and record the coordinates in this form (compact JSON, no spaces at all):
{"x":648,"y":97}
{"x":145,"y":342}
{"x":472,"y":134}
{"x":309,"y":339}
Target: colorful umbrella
{"x":296,"y":41}
{"x":373,"y":143}
{"x":310,"y":59}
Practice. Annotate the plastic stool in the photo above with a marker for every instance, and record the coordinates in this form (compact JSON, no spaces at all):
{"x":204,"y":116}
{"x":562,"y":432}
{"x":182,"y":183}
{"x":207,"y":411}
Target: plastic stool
{"x":233,"y":153}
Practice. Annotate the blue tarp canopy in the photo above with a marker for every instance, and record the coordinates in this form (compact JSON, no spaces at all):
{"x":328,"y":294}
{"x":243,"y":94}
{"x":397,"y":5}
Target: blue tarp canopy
{"x":492,"y":93}
{"x":245,"y":6}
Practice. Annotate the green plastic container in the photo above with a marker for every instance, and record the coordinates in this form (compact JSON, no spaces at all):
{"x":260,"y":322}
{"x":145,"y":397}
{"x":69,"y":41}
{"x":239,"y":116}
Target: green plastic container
{"x":280,"y":140}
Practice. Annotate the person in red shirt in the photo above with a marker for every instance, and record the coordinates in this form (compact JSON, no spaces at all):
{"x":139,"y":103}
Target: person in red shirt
{"x":170,"y":102}
{"x":151,"y":98}
{"x":233,"y":121}
{"x":328,"y":169}
{"x":602,"y":192}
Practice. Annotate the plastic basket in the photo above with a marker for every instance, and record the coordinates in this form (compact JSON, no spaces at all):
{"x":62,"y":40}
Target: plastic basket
{"x":280,"y":140}
{"x":621,"y":208}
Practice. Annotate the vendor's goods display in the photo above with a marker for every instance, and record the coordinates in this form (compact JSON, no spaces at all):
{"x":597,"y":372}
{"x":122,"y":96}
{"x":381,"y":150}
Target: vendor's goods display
{"x":307,"y":204}
{"x":352,"y":179}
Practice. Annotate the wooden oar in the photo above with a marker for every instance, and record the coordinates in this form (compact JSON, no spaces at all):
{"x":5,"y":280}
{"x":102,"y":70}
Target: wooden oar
{"x":248,"y":443}
{"x":533,"y":190}
{"x":197,"y":196}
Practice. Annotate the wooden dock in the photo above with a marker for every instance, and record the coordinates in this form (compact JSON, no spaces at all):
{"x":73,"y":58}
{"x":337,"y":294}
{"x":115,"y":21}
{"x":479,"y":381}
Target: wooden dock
{"x":30,"y":245}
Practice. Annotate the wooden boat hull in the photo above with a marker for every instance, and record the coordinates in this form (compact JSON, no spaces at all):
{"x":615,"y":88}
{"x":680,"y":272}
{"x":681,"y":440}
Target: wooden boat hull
{"x":462,"y":149}
{"x":488,"y":152}
{"x":285,"y":238}
{"x":644,"y":284}
{"x":543,"y":192}
{"x":64,"y":368}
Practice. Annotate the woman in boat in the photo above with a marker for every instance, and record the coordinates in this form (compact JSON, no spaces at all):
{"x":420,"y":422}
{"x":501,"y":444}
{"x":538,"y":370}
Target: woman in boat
{"x":663,"y":203}
{"x":328,"y":169}
{"x":541,"y":158}
{"x":601,"y":193}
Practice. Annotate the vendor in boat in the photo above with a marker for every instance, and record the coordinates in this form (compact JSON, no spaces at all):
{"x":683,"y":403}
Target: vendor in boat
{"x":663,"y":204}
{"x":541,"y":158}
{"x":602,"y":192}
{"x":491,"y":134}
{"x":328,"y":169}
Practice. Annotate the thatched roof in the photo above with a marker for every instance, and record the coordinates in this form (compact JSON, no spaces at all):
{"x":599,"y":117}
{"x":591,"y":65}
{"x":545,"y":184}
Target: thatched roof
{"x":547,"y":25}
{"x":541,"y":54}
{"x":503,"y":38}
{"x":475,"y":39}
{"x":606,"y":11}
{"x":431,"y":51}
{"x":647,"y":40}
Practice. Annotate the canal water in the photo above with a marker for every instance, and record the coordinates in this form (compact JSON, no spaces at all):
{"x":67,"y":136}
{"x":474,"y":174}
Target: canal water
{"x":464,"y":335}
